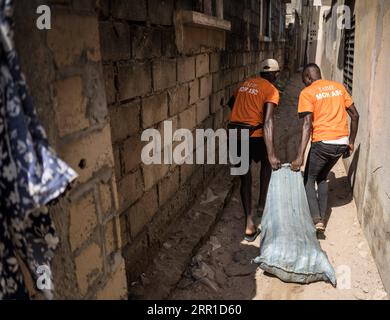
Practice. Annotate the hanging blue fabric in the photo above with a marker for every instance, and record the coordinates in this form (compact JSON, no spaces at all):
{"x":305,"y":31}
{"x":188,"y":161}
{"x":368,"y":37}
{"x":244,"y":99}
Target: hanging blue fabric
{"x":31,"y":175}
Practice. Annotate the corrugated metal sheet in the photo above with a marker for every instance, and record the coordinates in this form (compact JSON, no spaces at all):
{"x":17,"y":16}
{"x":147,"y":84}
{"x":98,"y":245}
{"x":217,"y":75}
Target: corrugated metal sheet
{"x":289,"y":247}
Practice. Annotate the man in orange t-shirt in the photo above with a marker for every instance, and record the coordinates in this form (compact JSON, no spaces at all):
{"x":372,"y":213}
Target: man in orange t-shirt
{"x":325,"y":106}
{"x":253,"y":104}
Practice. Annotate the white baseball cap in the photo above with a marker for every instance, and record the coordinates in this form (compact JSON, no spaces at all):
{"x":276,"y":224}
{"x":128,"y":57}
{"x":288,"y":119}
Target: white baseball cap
{"x":269,"y":65}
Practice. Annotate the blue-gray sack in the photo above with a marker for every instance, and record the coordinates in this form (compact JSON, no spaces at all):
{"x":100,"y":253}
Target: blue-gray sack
{"x":289,"y":247}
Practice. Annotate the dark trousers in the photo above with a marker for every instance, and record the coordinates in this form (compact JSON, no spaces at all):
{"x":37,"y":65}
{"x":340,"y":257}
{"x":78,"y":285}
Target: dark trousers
{"x":257,"y":153}
{"x":322,"y":158}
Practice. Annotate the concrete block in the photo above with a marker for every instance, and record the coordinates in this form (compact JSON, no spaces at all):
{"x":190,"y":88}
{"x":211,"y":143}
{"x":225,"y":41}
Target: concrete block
{"x":129,"y":10}
{"x":128,"y":87}
{"x":154,"y":109}
{"x":146,"y":42}
{"x":169,"y":43}
{"x":116,"y":286}
{"x":202,"y":110}
{"x":187,"y":118}
{"x":194,"y":91}
{"x":115,"y":40}
{"x":164,"y":74}
{"x":217,"y":101}
{"x":202,"y":65}
{"x":110,"y":237}
{"x":89,"y":266}
{"x":130,"y":189}
{"x":161,"y":12}
{"x":131,"y":153}
{"x":206,"y":86}
{"x":109,"y":83}
{"x":106,"y":202}
{"x":143,"y":211}
{"x":83,"y":220}
{"x":153,"y":174}
{"x":178,"y":99}
{"x":214,"y":62}
{"x":125,"y":120}
{"x":70,"y":106}
{"x":186,"y":69}
{"x":93,"y":150}
{"x":71,"y":36}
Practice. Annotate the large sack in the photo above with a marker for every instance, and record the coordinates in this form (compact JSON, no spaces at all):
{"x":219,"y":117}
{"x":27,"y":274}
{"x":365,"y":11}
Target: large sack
{"x":289,"y":247}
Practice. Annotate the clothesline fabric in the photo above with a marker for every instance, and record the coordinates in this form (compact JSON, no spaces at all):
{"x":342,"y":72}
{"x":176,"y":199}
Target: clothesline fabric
{"x":31,"y":175}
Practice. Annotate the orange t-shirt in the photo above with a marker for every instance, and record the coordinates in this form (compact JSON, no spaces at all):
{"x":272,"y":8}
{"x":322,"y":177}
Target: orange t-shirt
{"x":328,"y":101}
{"x":250,"y":99}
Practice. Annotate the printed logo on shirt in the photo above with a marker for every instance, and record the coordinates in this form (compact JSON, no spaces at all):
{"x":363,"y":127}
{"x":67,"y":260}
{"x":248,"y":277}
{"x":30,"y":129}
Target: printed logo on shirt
{"x":328,"y":92}
{"x":332,"y":94}
{"x":249,"y":88}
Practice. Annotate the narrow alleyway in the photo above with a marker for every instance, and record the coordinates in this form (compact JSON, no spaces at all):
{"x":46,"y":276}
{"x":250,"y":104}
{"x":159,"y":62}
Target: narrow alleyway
{"x":221,"y":269}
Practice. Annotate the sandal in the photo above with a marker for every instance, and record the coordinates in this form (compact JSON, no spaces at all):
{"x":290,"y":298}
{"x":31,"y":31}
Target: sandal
{"x":252,"y":237}
{"x":320,"y":227}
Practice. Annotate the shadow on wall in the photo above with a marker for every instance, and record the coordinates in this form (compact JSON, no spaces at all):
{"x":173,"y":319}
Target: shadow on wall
{"x":353,"y":168}
{"x":340,"y":193}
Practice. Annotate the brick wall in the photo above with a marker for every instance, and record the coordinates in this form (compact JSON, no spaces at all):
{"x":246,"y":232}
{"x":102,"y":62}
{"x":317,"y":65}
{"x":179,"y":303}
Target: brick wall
{"x":149,"y":81}
{"x":64,"y":71}
{"x":105,"y":72}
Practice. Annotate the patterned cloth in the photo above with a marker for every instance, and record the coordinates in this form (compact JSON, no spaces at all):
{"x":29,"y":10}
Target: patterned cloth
{"x":31,"y":175}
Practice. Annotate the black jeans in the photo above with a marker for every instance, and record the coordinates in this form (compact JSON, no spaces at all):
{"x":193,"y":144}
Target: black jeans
{"x":322,"y":158}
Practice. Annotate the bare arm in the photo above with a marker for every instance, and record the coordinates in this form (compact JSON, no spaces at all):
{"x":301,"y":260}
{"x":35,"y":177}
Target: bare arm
{"x":306,"y":133}
{"x":269,"y":135}
{"x":354,"y":114}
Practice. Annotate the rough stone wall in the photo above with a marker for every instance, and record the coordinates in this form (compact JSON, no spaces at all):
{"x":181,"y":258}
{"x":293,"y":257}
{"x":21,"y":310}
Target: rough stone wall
{"x":368,"y":170}
{"x":149,"y":81}
{"x":64,"y":71}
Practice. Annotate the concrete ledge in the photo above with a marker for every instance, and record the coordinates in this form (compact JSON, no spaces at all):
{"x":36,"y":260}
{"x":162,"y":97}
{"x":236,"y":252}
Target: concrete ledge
{"x":195,"y":30}
{"x":197,"y":19}
{"x":186,"y":236}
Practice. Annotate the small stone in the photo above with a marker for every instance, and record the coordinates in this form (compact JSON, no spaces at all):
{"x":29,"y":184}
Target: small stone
{"x":167,"y":245}
{"x":363,"y":254}
{"x":238,"y":270}
{"x":184,"y":283}
{"x":203,"y":271}
{"x":220,"y":277}
{"x":215,"y":244}
{"x":380,"y":295}
{"x":144,"y":280}
{"x":360,"y":296}
{"x":211,"y":284}
{"x":361,"y":245}
{"x":197,"y":259}
{"x":210,"y":197}
{"x":238,"y":256}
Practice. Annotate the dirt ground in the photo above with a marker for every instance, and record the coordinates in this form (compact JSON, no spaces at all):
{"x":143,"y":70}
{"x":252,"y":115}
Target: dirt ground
{"x":222,"y":268}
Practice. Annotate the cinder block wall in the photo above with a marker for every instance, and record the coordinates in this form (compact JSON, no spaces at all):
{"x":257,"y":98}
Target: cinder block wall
{"x":64,"y":71}
{"x":149,"y":81}
{"x":105,"y":72}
